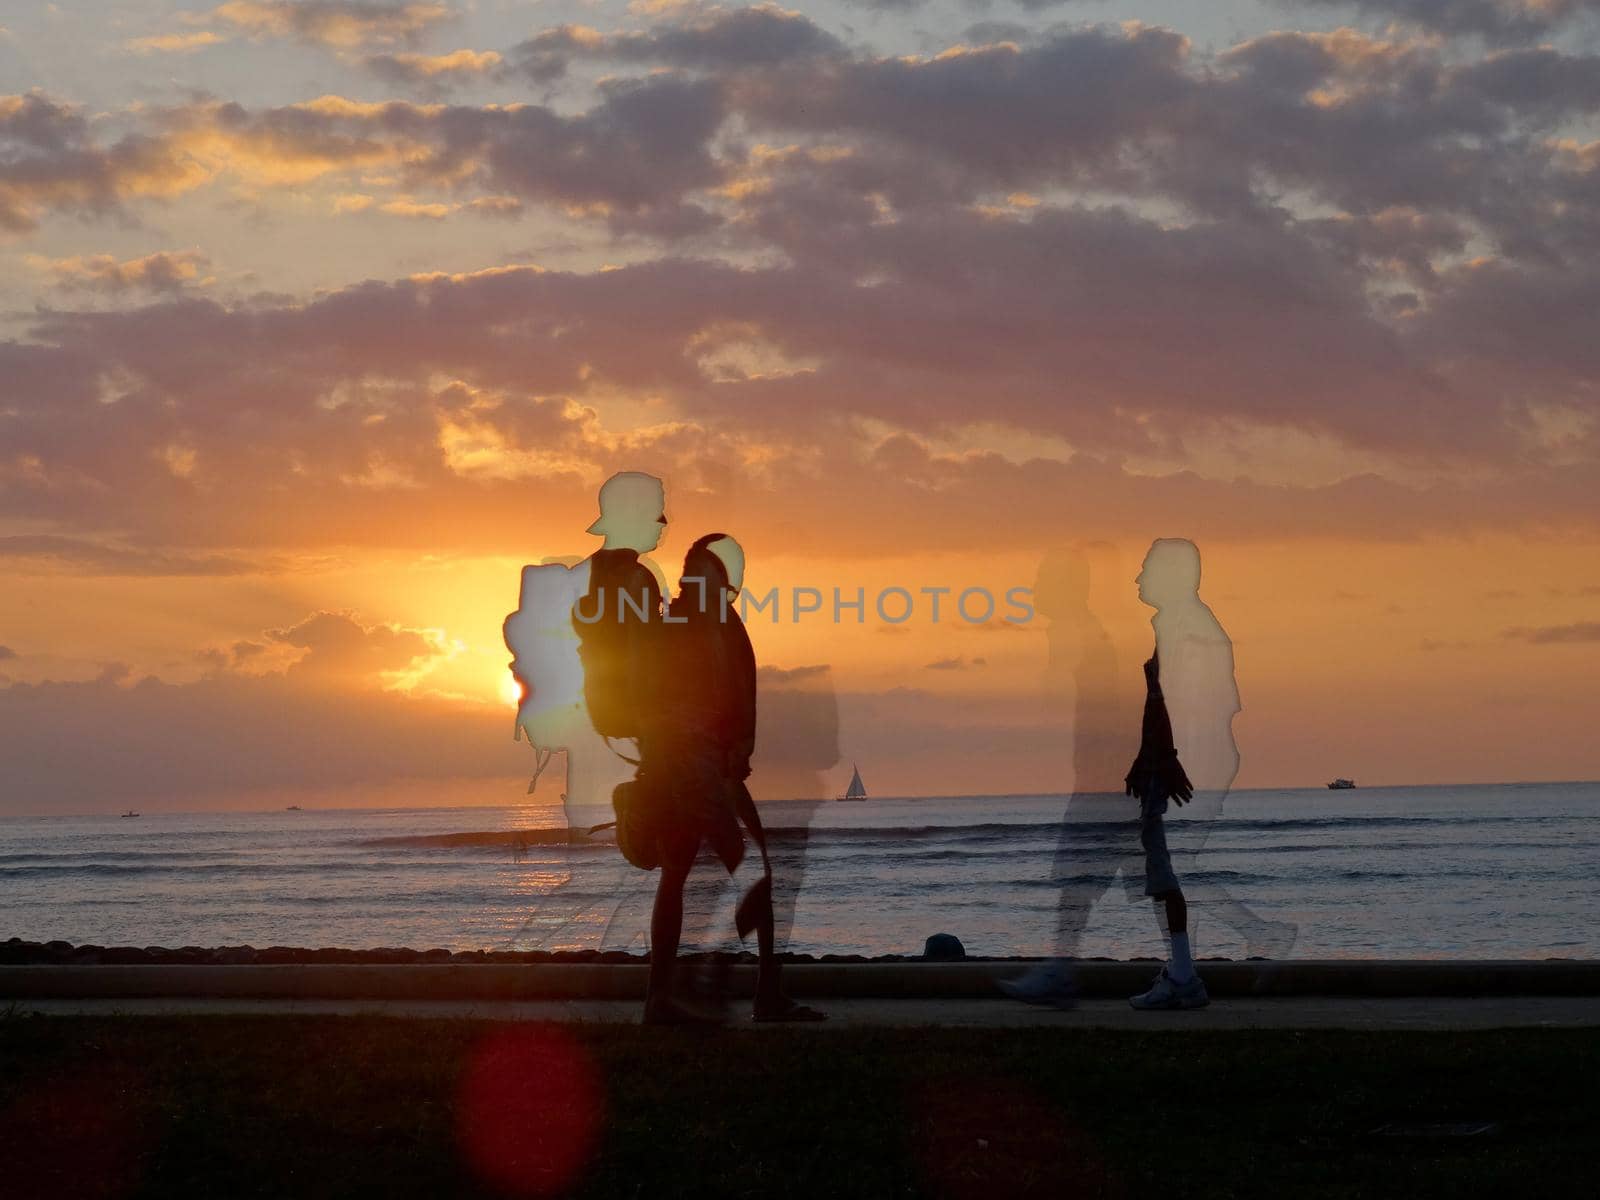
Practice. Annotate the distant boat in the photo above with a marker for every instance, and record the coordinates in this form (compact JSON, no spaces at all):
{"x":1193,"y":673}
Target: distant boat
{"x":293,"y":808}
{"x":130,"y":813}
{"x":857,"y":790}
{"x":1341,"y":785}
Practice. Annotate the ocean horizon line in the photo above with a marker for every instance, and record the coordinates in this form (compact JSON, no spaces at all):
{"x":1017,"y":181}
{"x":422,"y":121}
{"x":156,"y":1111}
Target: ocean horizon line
{"x":1312,"y":789}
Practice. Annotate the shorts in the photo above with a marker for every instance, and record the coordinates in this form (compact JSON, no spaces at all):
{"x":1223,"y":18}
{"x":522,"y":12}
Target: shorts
{"x":689,"y":798}
{"x":1159,"y":877}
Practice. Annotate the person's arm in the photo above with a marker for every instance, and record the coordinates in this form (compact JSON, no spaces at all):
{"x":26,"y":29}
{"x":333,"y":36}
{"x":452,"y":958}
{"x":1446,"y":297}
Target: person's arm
{"x":744,"y":663}
{"x":1157,"y":756}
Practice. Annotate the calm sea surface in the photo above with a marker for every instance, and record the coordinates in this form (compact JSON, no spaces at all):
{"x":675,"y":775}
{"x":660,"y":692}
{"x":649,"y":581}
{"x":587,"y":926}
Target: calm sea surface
{"x":1504,"y":871}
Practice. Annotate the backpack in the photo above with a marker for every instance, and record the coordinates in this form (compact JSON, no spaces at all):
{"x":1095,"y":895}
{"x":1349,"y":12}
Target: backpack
{"x":640,"y":811}
{"x":617,"y":619}
{"x":545,"y":660}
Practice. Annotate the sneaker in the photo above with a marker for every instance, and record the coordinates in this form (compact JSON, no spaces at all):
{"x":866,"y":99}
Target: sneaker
{"x":1048,"y":984}
{"x":1169,"y":993}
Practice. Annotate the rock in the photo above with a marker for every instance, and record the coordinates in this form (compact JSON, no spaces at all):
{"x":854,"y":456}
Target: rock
{"x":393,"y":955}
{"x":943,"y":947}
{"x":16,"y":951}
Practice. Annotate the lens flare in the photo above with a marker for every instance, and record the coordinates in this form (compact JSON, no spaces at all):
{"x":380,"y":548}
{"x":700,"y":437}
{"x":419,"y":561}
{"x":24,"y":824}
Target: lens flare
{"x":529,"y":1110}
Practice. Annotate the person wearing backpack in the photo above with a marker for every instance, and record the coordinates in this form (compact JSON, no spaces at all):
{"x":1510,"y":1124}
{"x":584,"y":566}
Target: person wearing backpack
{"x":615,"y":618}
{"x":548,"y":665}
{"x":695,"y":747}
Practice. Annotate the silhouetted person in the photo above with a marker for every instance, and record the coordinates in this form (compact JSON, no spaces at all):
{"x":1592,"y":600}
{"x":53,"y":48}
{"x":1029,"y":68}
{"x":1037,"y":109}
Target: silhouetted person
{"x":1155,"y":778}
{"x":553,"y":661}
{"x":617,"y":615}
{"x":1201,"y":699}
{"x":796,"y":736}
{"x":695,"y":751}
{"x":1093,"y":707}
{"x":1190,"y":705}
{"x":551,"y":653}
{"x":797,"y":740}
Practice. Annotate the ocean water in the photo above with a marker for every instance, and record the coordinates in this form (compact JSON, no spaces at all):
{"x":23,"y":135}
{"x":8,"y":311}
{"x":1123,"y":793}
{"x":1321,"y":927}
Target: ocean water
{"x":1505,"y":871}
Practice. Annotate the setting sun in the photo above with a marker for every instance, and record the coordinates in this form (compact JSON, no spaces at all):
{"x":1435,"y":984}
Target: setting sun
{"x":510,"y":691}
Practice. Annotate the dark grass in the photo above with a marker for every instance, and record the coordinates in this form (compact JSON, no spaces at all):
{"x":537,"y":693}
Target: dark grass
{"x":372,"y":1106}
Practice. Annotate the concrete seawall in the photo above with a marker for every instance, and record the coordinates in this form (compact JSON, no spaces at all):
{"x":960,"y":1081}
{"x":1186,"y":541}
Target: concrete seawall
{"x":950,"y":981}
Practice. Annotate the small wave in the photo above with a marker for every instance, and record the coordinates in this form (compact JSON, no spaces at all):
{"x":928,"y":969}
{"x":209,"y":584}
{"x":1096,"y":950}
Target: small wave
{"x":492,"y":837}
{"x":260,"y":869}
{"x":1418,"y":820}
{"x":819,"y":855}
{"x":68,"y":858}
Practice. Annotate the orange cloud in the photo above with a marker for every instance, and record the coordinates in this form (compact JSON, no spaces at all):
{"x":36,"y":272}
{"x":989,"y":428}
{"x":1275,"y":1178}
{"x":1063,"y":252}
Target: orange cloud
{"x":175,"y":43}
{"x":432,"y":72}
{"x":342,"y":24}
{"x":55,"y":164}
{"x":164,"y":271}
{"x":405,"y":206}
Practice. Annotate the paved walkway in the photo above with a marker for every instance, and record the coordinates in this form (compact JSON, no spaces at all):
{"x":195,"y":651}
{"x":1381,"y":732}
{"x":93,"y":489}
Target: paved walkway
{"x":1302,"y":1012}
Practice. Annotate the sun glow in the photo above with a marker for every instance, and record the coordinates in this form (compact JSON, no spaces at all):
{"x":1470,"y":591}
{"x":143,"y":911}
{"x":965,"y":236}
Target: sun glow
{"x":510,"y":690}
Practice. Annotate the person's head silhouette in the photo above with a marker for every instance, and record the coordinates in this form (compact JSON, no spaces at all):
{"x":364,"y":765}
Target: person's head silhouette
{"x":714,"y":563}
{"x":1061,"y":586}
{"x":1171,"y":573}
{"x":632,"y":512}
{"x":731,"y":555}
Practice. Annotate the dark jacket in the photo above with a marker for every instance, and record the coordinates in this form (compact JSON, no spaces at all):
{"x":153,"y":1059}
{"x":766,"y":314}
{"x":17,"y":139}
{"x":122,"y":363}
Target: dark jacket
{"x":706,"y":685}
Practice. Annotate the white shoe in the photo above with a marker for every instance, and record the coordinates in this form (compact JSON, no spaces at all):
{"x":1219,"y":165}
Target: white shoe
{"x":1047,"y":983}
{"x":1167,"y":993}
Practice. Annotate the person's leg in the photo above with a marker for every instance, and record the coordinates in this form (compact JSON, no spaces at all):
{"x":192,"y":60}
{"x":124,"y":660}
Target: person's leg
{"x":1096,"y":834}
{"x":1084,"y":867}
{"x":1177,"y":986}
{"x":786,"y":850}
{"x":1263,"y":938}
{"x":666,"y":928}
{"x":1160,"y":881}
{"x":1174,"y":910}
{"x":756,"y":912}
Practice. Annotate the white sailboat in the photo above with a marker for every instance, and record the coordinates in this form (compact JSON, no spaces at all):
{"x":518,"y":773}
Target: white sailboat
{"x":857,"y":790}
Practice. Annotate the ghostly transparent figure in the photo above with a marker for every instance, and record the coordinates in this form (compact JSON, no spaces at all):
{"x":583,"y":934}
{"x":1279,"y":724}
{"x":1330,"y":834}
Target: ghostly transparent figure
{"x":597,"y":900}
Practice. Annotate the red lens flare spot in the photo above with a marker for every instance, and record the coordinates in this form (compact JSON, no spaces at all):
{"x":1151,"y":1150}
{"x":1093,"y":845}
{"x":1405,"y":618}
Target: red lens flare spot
{"x":529,"y":1111}
{"x":83,"y":1134}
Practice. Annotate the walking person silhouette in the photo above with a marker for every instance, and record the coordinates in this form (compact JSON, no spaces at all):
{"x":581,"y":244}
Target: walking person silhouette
{"x":1201,"y":696}
{"x":697,"y":736}
{"x":1191,"y":698}
{"x":552,"y":662}
{"x":1092,"y":708}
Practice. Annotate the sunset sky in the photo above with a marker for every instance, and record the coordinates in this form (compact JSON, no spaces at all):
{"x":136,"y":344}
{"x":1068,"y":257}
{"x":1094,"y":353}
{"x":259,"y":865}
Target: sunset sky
{"x":318,"y":318}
